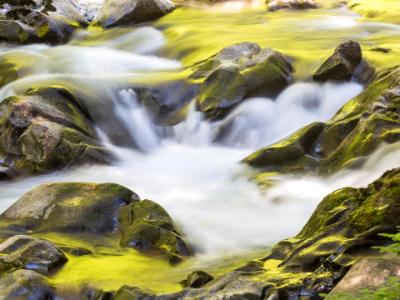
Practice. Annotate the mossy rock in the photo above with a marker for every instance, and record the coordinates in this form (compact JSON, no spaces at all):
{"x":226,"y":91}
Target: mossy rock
{"x":110,"y":214}
{"x":238,"y":72}
{"x":274,"y":5}
{"x":356,"y":131}
{"x":47,"y":129}
{"x":147,"y":227}
{"x":128,"y":12}
{"x":51,"y":21}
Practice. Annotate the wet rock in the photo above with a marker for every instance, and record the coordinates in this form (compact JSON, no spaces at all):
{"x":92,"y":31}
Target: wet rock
{"x":47,"y":129}
{"x":128,"y":12}
{"x":39,"y":21}
{"x":22,"y":251}
{"x":358,"y":129}
{"x":168,"y":102}
{"x":274,"y":5}
{"x":368,"y":273}
{"x":71,"y":207}
{"x":237,"y":72}
{"x":25,"y":285}
{"x":147,"y":227}
{"x":89,"y":293}
{"x":346,"y":63}
{"x":99,"y":211}
{"x":197,"y":279}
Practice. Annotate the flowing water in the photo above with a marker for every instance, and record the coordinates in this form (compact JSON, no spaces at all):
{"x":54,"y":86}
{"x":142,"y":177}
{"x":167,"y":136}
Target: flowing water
{"x":188,"y":168}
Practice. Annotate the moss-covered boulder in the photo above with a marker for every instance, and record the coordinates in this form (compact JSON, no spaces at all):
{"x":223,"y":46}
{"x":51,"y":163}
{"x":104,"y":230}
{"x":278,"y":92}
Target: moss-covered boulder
{"x":103,"y":211}
{"x":356,"y":131}
{"x":128,"y":12}
{"x":274,"y":5}
{"x":26,"y":252}
{"x":237,"y":72}
{"x":345,"y":64}
{"x":25,"y":285}
{"x":345,"y":227}
{"x":146,"y":226}
{"x":39,"y":21}
{"x":47,"y":129}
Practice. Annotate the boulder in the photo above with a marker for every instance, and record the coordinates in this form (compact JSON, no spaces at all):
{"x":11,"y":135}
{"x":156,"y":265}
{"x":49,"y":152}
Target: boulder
{"x":237,"y":72}
{"x":356,"y":131}
{"x":47,"y":129}
{"x":368,"y":273}
{"x":25,"y":285}
{"x":98,"y":210}
{"x":128,"y":12}
{"x":274,"y":5}
{"x":26,"y":252}
{"x":197,"y":279}
{"x":344,"y":64}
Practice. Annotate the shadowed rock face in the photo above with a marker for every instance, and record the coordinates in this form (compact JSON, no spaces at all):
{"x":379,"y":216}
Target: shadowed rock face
{"x":128,"y":12}
{"x":47,"y":129}
{"x":237,"y":72}
{"x":344,"y":227}
{"x":356,"y":131}
{"x":100,"y":211}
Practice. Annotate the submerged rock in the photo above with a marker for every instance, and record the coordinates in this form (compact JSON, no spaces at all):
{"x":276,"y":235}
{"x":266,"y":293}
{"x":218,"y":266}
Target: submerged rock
{"x":346,"y":63}
{"x":274,"y":5}
{"x":99,"y":210}
{"x":128,"y":12}
{"x":358,"y":129}
{"x":26,"y":252}
{"x":236,"y":72}
{"x":47,"y":129}
{"x":25,"y":284}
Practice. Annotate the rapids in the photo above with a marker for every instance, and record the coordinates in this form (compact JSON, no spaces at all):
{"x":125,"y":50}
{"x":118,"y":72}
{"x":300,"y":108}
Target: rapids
{"x":188,"y":168}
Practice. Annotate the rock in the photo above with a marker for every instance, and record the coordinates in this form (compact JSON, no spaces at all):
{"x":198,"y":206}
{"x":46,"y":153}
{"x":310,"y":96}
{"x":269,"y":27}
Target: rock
{"x":71,"y":207}
{"x":25,"y":285}
{"x":128,"y":292}
{"x":240,"y":71}
{"x":98,"y":210}
{"x":47,"y":129}
{"x":368,"y":273}
{"x":147,"y":227}
{"x":358,"y":129}
{"x":274,"y":5}
{"x":344,"y":64}
{"x":40,"y":21}
{"x":197,"y":279}
{"x":22,"y":251}
{"x":128,"y":12}
{"x":167,"y":102}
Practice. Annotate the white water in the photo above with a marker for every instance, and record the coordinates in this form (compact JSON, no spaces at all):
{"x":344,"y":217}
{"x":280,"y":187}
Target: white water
{"x":192,"y":169}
